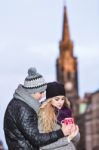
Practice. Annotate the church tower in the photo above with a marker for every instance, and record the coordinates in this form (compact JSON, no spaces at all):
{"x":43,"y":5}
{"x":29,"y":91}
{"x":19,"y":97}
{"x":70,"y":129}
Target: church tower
{"x":66,"y":65}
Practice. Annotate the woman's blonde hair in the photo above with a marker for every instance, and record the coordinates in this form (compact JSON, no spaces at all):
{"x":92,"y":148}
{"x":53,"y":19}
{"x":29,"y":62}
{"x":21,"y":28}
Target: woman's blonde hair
{"x":67,"y":102}
{"x":47,"y":114}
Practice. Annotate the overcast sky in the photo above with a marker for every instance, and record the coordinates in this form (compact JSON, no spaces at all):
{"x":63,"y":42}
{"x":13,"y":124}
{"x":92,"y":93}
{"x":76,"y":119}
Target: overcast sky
{"x":30,"y":31}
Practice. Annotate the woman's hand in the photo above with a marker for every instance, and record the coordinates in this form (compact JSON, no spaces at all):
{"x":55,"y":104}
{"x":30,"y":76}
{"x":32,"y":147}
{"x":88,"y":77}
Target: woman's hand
{"x":74,"y":129}
{"x":66,"y":129}
{"x":74,"y":132}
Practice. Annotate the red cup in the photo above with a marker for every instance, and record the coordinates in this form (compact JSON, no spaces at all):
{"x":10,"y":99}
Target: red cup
{"x":68,"y":121}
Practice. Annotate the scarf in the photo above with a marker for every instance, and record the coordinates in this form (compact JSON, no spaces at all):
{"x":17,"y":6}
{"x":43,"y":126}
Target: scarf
{"x":22,"y":94}
{"x":63,"y":113}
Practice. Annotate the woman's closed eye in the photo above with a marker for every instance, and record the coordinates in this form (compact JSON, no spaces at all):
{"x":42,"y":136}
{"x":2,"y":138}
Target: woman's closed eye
{"x":63,"y":98}
{"x":56,"y":99}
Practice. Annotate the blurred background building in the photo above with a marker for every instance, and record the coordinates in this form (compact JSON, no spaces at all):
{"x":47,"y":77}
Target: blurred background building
{"x":66,"y":64}
{"x":85,"y":110}
{"x":92,"y":122}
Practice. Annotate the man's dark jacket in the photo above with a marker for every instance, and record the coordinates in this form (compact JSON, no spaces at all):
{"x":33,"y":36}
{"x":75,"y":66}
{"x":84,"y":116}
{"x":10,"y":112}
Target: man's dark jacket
{"x":21,"y":128}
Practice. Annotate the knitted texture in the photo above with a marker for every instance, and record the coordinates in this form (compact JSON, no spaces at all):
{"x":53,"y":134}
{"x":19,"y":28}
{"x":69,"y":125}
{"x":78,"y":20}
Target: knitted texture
{"x":55,"y":89}
{"x":34,"y":82}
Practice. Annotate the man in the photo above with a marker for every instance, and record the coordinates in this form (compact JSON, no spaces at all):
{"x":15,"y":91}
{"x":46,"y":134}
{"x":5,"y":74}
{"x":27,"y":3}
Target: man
{"x":21,"y":121}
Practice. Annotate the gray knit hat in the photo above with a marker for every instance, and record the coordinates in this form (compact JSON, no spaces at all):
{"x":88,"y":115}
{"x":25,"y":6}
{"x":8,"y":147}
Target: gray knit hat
{"x":34,"y":82}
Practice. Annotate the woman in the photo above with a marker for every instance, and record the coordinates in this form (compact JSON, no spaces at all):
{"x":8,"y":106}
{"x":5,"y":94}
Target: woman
{"x":51,"y":114}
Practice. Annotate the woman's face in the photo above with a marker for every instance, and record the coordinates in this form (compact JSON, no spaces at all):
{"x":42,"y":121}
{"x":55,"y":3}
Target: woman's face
{"x":58,"y":101}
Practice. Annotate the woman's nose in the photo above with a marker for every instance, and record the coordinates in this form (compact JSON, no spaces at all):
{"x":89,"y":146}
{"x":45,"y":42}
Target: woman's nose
{"x":61,"y":102}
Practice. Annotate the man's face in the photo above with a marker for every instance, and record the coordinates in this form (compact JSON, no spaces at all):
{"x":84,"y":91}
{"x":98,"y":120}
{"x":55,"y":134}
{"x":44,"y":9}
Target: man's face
{"x":38,"y":95}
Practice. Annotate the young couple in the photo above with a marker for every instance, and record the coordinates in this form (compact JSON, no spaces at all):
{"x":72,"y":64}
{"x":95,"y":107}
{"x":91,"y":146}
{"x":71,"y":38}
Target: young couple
{"x":31,"y":126}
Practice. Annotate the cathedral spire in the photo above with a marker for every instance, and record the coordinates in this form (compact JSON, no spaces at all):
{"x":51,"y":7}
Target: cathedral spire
{"x":65,"y":34}
{"x":67,"y":72}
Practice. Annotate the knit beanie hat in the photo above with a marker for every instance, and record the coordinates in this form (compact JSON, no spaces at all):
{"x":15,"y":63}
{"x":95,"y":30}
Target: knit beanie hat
{"x":55,"y":89}
{"x":34,"y":82}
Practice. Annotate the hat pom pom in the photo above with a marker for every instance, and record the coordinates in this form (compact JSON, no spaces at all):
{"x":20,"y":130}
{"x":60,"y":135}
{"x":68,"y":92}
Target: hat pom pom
{"x":32,"y":71}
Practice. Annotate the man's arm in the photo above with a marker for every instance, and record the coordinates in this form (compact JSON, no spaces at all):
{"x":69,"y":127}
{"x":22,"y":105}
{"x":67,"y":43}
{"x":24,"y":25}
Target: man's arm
{"x":61,"y":142}
{"x":28,"y":125}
